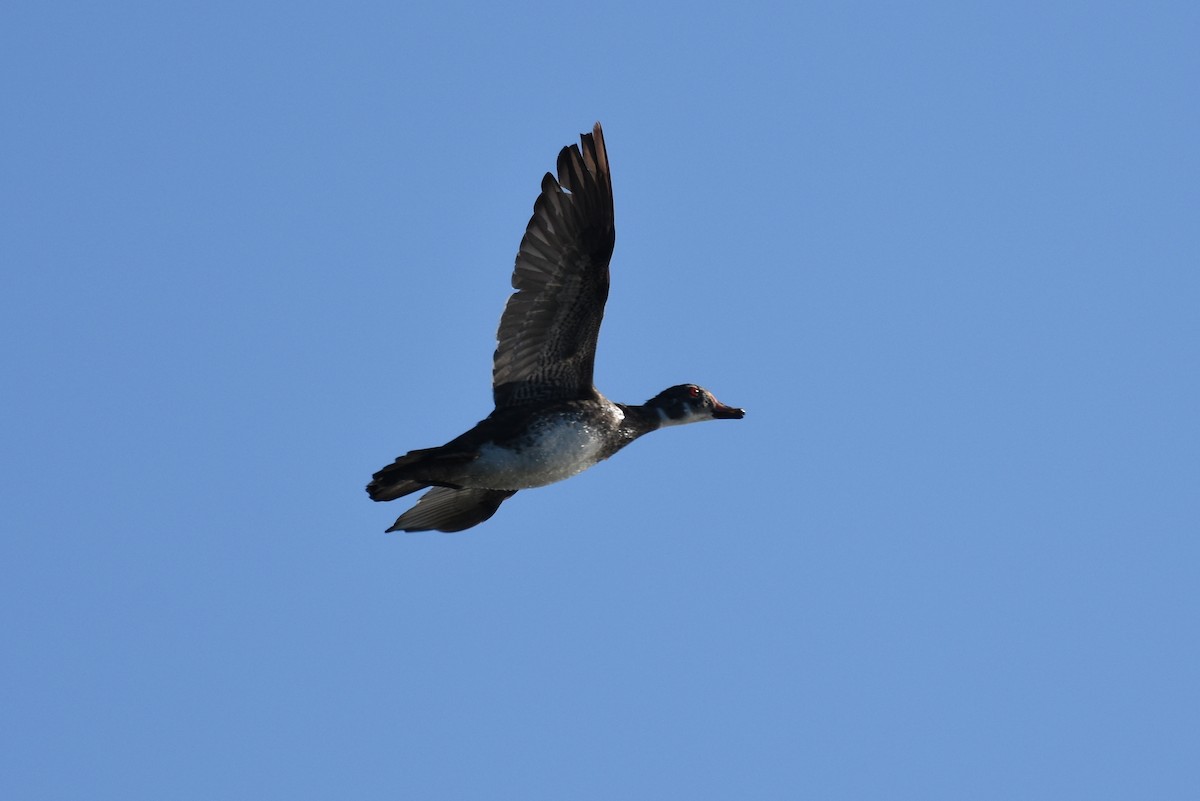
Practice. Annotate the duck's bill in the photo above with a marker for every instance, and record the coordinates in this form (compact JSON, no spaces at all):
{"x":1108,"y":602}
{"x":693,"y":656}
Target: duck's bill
{"x":723,"y":412}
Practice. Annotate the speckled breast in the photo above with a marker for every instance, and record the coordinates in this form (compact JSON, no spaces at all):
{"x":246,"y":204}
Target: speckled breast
{"x":555,"y":448}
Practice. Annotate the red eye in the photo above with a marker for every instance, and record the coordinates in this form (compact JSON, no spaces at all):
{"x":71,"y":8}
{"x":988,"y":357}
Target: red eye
{"x":694,"y":391}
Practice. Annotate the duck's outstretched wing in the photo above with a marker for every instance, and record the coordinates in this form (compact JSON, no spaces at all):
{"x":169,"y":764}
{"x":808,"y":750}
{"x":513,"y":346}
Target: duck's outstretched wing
{"x":547,"y":338}
{"x":449,"y":509}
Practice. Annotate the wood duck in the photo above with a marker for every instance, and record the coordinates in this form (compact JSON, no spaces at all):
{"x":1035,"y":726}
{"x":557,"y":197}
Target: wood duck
{"x":550,"y":421}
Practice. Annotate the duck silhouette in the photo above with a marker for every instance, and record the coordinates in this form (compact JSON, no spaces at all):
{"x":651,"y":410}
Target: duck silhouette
{"x":550,"y":421}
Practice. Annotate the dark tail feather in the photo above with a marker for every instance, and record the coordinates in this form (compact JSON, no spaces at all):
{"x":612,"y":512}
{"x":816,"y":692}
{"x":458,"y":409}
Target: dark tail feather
{"x":426,"y":467}
{"x":395,"y":480}
{"x":384,"y":489}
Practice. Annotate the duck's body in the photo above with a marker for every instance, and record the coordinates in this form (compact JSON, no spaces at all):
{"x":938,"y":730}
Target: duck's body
{"x":550,"y":422}
{"x":525,"y":447}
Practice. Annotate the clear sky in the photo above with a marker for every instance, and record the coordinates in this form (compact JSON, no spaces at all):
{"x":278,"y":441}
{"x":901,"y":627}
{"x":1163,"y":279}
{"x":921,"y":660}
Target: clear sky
{"x":947,"y":256}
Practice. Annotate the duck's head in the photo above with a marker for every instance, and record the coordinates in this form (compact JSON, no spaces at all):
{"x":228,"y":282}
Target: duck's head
{"x":688,"y":403}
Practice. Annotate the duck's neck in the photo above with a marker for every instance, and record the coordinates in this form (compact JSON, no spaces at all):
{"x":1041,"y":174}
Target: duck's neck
{"x":640,"y":420}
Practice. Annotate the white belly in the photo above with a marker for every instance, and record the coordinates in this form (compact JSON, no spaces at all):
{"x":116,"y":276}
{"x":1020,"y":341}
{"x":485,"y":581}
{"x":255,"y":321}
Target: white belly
{"x":553,"y":452}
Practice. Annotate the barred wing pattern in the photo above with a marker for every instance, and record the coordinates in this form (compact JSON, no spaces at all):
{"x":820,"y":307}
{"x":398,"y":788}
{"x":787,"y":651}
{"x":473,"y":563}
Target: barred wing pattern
{"x":547,"y":337}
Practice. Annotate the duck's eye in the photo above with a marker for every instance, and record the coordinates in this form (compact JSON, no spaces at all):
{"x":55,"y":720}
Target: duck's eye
{"x":694,"y":392}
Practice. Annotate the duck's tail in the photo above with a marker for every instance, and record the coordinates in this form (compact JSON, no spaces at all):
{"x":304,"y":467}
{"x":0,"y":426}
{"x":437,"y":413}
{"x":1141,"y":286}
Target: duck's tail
{"x":446,"y":507}
{"x":416,"y":470}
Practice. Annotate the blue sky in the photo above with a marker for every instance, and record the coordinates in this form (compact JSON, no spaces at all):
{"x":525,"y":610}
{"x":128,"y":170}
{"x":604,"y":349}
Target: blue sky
{"x":945,"y":254}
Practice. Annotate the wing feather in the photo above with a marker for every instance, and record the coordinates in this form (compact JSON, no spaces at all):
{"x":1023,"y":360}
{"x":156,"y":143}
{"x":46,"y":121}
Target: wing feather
{"x":547,"y":337}
{"x":449,"y":509}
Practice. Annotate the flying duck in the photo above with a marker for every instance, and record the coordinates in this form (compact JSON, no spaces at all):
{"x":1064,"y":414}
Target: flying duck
{"x":550,"y":421}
